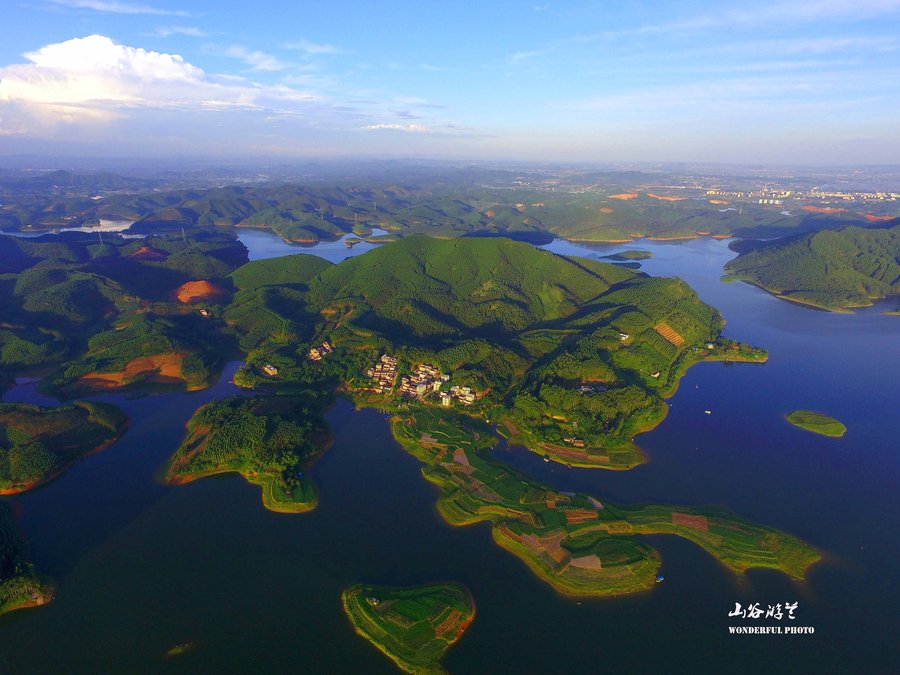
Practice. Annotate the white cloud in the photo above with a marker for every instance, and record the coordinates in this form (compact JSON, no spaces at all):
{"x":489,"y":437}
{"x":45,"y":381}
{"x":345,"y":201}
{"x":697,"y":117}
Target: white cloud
{"x":189,"y":31}
{"x":113,"y":7}
{"x":93,"y":78}
{"x":256,"y":59}
{"x":314,"y":47}
{"x":410,"y":128}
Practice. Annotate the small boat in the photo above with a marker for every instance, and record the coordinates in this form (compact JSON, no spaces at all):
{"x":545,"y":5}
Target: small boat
{"x":546,"y":459}
{"x":660,"y":578}
{"x":708,"y":412}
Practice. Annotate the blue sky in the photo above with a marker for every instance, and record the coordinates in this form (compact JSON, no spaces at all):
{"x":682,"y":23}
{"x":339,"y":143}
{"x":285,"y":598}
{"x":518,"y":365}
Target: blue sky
{"x":798,"y":81}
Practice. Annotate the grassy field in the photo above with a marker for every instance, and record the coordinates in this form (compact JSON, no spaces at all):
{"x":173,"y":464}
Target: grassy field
{"x":412,"y":626}
{"x":37,"y":444}
{"x":818,"y":423}
{"x":575,"y":542}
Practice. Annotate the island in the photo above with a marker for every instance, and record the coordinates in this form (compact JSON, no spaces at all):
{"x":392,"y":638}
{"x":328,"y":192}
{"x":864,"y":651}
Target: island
{"x":20,"y":586}
{"x":818,"y":423}
{"x":837,"y":270}
{"x":630,"y":254}
{"x":580,"y":545}
{"x":412,"y":626}
{"x":37,"y":444}
{"x":269,"y":441}
{"x":458,"y":341}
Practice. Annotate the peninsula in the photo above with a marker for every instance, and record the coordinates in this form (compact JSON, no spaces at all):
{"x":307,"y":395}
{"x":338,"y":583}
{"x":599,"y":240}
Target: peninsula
{"x":837,"y":270}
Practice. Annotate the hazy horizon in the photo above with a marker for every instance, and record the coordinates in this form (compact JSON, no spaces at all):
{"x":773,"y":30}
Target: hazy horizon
{"x":781,"y":84}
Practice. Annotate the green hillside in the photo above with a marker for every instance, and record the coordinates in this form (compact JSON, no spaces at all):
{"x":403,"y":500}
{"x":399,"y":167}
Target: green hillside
{"x":577,"y":355}
{"x":834,"y":270}
{"x":36,"y":444}
{"x":88,"y":305}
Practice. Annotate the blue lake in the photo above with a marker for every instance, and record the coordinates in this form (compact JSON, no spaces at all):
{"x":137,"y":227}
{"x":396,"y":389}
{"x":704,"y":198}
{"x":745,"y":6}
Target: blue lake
{"x":142,"y":567}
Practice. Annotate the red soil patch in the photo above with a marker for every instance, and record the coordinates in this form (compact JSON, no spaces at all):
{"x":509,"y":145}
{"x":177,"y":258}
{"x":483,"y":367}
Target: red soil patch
{"x":686,"y":519}
{"x":162,"y":368}
{"x":574,"y":516}
{"x":606,"y":209}
{"x":878,"y":219}
{"x":149,"y":253}
{"x":669,"y":333}
{"x":666,"y":198}
{"x":571,"y":453}
{"x":198,"y":291}
{"x":448,"y":623}
{"x":511,"y":428}
{"x":822,"y":209}
{"x":587,"y":562}
{"x":719,"y":201}
{"x":624,"y":195}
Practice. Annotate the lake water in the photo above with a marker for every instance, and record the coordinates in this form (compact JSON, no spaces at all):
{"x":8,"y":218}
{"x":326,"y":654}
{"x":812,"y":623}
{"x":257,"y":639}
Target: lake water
{"x":142,"y":567}
{"x":266,"y":244}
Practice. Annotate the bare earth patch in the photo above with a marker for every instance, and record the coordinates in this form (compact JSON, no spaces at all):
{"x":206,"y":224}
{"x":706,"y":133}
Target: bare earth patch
{"x":198,"y":291}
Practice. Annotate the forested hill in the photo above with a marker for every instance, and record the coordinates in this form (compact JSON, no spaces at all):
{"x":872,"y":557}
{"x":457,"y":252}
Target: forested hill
{"x":440,"y":287}
{"x":833,"y":270}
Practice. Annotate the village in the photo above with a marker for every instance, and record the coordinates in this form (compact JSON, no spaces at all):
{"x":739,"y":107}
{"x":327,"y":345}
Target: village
{"x":422,"y":382}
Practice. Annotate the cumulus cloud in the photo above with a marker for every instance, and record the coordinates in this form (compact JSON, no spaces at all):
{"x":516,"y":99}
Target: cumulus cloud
{"x":94,"y":78}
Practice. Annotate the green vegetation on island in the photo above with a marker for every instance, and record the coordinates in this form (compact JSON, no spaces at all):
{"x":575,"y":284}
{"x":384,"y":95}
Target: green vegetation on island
{"x":36,"y":444}
{"x":835,"y":270}
{"x":630,"y":254}
{"x":817,"y":422}
{"x":575,"y":542}
{"x":412,"y":626}
{"x":20,"y":585}
{"x":268,"y":440}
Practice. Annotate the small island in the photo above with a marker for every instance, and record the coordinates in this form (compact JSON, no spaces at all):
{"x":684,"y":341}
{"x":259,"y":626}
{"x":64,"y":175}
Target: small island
{"x":37,"y":444}
{"x":268,"y":441}
{"x":20,"y":586}
{"x":412,"y":626}
{"x":817,"y":422}
{"x":629,"y":255}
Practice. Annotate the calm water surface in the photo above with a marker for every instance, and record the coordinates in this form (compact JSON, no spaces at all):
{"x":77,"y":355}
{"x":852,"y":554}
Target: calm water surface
{"x":266,"y":244}
{"x":142,"y":567}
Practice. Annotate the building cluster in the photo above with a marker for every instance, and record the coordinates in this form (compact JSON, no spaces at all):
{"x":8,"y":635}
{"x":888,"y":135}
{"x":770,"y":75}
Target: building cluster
{"x":575,"y":442}
{"x":316,"y":353}
{"x":384,"y":373}
{"x":424,"y":380}
{"x":465,"y":395}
